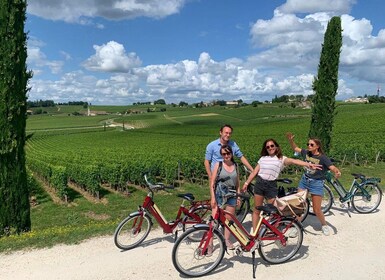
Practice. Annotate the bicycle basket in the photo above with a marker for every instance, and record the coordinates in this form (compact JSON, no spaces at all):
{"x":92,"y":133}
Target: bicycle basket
{"x":291,"y":205}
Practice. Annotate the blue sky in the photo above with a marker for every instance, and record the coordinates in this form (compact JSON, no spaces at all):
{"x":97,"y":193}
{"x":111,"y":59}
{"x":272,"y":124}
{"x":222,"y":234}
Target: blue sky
{"x":117,"y":52}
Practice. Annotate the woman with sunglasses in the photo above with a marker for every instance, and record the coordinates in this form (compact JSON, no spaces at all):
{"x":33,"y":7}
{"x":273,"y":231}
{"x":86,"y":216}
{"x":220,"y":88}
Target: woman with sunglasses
{"x":224,"y":177}
{"x":268,"y":168}
{"x":313,"y":180}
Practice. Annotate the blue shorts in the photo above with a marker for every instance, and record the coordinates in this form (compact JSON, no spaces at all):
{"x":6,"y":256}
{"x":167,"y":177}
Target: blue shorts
{"x":313,"y":186}
{"x":220,"y":191}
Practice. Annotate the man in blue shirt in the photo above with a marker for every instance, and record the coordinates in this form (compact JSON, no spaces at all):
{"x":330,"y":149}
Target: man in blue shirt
{"x":213,"y":150}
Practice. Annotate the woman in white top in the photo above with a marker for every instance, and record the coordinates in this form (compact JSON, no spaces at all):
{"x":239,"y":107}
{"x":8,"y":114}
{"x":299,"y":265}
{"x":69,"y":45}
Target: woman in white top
{"x":268,"y":168}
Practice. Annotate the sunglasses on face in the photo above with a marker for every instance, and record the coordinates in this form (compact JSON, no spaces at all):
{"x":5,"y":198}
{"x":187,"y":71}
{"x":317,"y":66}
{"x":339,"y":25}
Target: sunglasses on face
{"x":226,"y":154}
{"x":270,"y":146}
{"x":311,"y":144}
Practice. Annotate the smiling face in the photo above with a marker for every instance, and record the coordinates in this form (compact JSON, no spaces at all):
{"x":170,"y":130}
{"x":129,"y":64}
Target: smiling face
{"x":226,"y":154}
{"x":312,"y":146}
{"x":225,"y":134}
{"x":271,"y":148}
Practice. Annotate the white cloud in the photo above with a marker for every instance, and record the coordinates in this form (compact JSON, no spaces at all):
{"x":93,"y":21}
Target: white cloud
{"x":111,"y":57}
{"x":314,"y":6}
{"x":82,"y":11}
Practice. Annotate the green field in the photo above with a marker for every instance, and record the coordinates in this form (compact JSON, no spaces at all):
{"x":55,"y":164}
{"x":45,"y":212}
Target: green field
{"x":109,"y":161}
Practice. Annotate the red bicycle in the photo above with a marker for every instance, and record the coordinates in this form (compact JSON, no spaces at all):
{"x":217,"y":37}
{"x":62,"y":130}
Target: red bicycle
{"x":134,"y":229}
{"x":276,"y":238}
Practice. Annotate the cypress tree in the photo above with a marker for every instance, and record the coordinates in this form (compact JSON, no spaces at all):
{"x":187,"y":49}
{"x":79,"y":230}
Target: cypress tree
{"x":325,"y":85}
{"x":14,"y":195}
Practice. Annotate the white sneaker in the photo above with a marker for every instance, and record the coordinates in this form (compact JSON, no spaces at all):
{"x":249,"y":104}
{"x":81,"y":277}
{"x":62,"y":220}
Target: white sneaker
{"x":325,"y":230}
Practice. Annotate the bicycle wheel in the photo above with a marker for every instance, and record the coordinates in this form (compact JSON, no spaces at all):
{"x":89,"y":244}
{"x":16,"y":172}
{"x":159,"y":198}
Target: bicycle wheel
{"x":132,"y":231}
{"x":242,"y":209}
{"x":273,"y":251}
{"x":203,"y":211}
{"x":327,"y":201}
{"x":187,"y":256}
{"x":367,"y":198}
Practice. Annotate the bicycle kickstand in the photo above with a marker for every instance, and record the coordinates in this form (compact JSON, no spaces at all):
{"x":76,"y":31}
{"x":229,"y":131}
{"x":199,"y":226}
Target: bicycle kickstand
{"x":254,"y":265}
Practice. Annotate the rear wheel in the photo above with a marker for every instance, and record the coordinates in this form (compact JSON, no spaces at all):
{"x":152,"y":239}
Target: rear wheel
{"x":132,"y":231}
{"x":327,"y":201}
{"x":272,"y":250}
{"x":242,"y":209}
{"x":189,"y":257}
{"x":367,"y":199}
{"x":203,"y":211}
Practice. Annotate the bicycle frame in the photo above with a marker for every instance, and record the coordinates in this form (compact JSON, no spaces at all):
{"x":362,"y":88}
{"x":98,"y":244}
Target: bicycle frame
{"x":168,"y":227}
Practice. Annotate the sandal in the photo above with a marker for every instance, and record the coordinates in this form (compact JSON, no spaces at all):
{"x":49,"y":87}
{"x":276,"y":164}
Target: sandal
{"x":210,"y":250}
{"x":229,"y":245}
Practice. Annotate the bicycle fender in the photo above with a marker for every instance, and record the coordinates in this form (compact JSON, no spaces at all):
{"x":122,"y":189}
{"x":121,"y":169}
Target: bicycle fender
{"x":201,"y":226}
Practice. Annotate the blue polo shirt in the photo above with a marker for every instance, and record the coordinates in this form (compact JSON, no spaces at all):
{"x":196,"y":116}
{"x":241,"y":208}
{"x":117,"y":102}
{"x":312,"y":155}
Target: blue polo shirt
{"x":213,"y":151}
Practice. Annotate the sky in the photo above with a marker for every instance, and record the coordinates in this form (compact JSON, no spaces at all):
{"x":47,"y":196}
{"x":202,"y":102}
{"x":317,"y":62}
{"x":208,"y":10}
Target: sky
{"x":120,"y":52}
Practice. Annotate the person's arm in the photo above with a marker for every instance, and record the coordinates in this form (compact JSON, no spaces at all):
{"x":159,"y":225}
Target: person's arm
{"x":335,"y":170}
{"x":250,"y":178}
{"x":246,"y":163}
{"x":208,"y":168}
{"x":294,"y":146}
{"x":299,"y":162}
{"x":212,"y":185}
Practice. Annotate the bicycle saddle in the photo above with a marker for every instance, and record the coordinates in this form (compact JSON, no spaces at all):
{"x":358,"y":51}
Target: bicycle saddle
{"x":268,"y":209}
{"x":187,"y":196}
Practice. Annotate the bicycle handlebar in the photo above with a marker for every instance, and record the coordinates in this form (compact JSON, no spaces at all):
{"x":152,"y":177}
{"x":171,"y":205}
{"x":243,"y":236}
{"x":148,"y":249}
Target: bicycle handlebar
{"x":156,"y":186}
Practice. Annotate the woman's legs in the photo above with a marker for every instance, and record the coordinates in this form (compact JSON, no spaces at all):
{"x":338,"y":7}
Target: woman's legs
{"x":258,"y":201}
{"x":317,"y":200}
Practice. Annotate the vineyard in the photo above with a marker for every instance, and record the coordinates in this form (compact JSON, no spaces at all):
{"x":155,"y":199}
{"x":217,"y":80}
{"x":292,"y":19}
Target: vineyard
{"x":89,"y":152}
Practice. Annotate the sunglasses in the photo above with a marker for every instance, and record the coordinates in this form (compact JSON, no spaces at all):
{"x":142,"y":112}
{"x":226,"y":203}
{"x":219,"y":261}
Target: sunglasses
{"x":270,"y":146}
{"x":226,"y":154}
{"x":310,"y":144}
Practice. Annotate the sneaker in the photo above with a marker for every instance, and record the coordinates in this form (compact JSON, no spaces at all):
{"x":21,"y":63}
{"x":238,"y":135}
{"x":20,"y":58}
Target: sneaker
{"x":292,"y":232}
{"x":325,"y":230}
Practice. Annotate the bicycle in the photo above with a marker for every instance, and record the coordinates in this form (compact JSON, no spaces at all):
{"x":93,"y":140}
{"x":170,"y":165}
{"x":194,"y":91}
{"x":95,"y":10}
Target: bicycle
{"x":135,"y":228}
{"x":276,"y":238}
{"x":365,"y":196}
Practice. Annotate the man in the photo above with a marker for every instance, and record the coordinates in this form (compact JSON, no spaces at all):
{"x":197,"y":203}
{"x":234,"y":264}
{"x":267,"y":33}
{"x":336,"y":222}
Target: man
{"x":213,"y":149}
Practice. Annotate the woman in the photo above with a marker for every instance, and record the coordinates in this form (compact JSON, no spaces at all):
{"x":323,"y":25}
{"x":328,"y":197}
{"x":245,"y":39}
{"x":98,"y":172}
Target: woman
{"x":268,"y":168}
{"x":225,"y":176}
{"x":313,"y":180}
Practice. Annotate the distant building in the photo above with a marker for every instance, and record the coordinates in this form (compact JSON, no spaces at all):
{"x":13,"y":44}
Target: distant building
{"x":231,"y":102}
{"x":357,"y":100}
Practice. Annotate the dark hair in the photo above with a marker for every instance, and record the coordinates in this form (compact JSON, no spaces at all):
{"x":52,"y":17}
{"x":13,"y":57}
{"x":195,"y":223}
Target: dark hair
{"x":278,"y":151}
{"x":319,"y":144}
{"x":226,"y":125}
{"x":228,"y":149}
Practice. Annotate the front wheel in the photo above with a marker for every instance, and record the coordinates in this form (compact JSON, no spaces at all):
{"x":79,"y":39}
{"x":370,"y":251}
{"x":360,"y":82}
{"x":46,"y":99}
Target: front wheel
{"x":272,"y":250}
{"x":132,"y":231}
{"x":367,"y":198}
{"x":327,"y":201}
{"x":191,"y":259}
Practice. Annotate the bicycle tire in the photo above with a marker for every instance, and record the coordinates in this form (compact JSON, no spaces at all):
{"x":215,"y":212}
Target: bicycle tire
{"x":243,"y":209}
{"x":273,"y":251}
{"x":187,"y":257}
{"x":327,"y":201}
{"x":203,"y":211}
{"x":127,"y":236}
{"x":364,"y":204}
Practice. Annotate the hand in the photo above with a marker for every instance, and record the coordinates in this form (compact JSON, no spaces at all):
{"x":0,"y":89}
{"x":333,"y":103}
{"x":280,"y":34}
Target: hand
{"x":238,"y":201}
{"x":315,"y":166}
{"x":290,"y":136}
{"x":244,"y":188}
{"x":337,"y":174}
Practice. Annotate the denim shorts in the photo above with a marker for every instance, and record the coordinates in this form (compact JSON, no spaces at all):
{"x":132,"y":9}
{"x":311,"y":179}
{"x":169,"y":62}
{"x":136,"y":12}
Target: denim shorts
{"x":314,"y":186}
{"x":220,"y":192}
{"x":265,"y":188}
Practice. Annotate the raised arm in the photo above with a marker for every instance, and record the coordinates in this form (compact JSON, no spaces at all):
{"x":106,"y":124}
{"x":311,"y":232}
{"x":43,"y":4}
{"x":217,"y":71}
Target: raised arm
{"x":290,"y":137}
{"x":299,"y":162}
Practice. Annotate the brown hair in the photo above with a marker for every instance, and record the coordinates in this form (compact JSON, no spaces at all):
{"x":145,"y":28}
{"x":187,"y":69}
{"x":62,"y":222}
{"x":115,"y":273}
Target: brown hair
{"x":278,"y":151}
{"x":318,"y":143}
{"x":228,"y":149}
{"x":226,"y":125}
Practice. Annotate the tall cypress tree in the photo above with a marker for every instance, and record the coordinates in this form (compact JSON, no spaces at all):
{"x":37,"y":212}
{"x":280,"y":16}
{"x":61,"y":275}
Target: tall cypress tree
{"x":14,"y":196}
{"x":325,"y":85}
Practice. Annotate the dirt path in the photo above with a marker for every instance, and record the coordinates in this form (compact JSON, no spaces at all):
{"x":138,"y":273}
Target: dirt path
{"x":355,"y":250}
